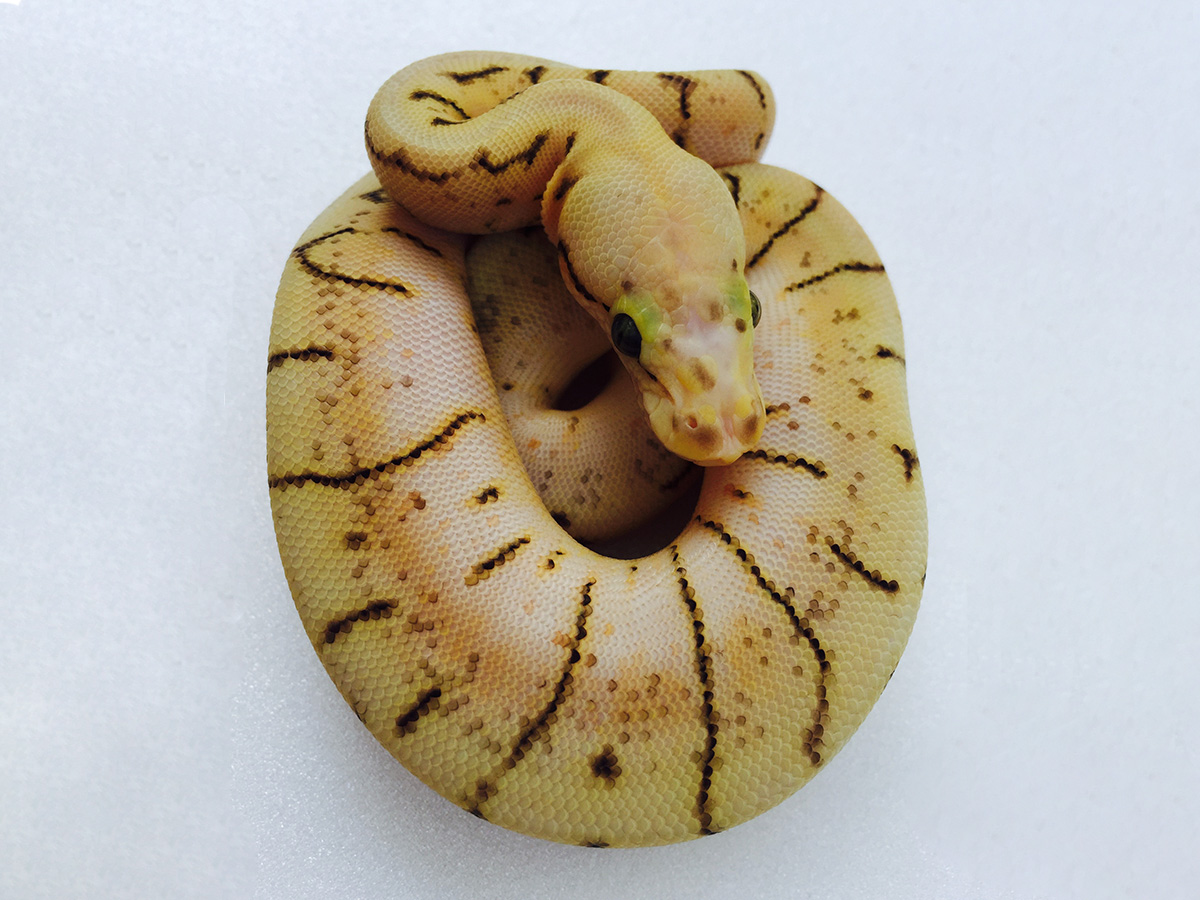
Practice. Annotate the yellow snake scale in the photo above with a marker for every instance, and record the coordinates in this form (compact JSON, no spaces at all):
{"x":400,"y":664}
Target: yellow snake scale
{"x":540,"y":684}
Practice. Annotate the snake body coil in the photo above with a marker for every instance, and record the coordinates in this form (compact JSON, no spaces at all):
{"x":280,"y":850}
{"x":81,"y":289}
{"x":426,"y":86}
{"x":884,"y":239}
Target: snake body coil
{"x":542,"y":685}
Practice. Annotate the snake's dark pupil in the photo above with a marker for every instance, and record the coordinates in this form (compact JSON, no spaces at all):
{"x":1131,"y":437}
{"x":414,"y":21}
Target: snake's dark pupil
{"x":755,"y":309}
{"x":625,"y":335}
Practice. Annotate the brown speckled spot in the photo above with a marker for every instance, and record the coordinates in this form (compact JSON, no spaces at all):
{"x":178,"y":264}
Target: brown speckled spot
{"x":704,"y":436}
{"x":748,"y":427}
{"x":604,"y":765}
{"x":909,"y":459}
{"x":491,"y":492}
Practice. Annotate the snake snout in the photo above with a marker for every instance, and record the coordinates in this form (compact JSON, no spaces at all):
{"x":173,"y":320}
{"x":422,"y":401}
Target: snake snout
{"x":711,"y":431}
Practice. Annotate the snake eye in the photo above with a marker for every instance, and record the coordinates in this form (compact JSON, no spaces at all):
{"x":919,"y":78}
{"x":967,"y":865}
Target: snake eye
{"x":755,"y":309}
{"x":625,"y":335}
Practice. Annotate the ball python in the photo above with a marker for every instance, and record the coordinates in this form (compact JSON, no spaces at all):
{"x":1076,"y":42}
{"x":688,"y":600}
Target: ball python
{"x":449,"y":567}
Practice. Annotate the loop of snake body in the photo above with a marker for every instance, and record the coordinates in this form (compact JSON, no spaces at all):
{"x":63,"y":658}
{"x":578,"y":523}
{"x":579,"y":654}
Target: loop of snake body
{"x":438,"y":511}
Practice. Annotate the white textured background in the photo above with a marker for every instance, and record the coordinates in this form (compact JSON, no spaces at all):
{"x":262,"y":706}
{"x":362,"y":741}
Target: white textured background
{"x":1030,"y":177}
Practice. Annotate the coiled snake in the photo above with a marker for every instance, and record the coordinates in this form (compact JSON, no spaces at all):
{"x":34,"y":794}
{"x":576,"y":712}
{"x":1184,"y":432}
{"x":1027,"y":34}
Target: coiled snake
{"x":444,"y":563}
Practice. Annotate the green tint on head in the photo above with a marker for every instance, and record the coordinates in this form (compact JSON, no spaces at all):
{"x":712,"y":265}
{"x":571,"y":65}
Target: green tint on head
{"x":694,"y":366}
{"x":743,"y":303}
{"x":644,"y":310}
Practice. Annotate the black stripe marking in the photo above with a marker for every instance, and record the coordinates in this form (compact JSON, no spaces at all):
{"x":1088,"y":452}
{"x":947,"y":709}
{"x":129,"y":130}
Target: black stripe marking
{"x":762,"y":97}
{"x":378,"y":609}
{"x":565,"y":254}
{"x":275,"y":360}
{"x":441,"y":441}
{"x":800,"y":625}
{"x":870,"y":576}
{"x":704,"y":668}
{"x":399,"y":159}
{"x":484,"y":568}
{"x":735,"y":187}
{"x":301,"y":255}
{"x":782,"y":598}
{"x":535,"y":74}
{"x":600,"y":75}
{"x":416,"y":240}
{"x":565,"y":184}
{"x":468,"y":77}
{"x":841,"y":267}
{"x":786,"y":227}
{"x":540,"y":726}
{"x":307,"y":245}
{"x":909,"y":458}
{"x":484,"y":161}
{"x":491,"y":492}
{"x":427,"y":701}
{"x":888,"y":353}
{"x":685,"y":86}
{"x":790,"y":460}
{"x":445,"y":101}
{"x":379,"y":195}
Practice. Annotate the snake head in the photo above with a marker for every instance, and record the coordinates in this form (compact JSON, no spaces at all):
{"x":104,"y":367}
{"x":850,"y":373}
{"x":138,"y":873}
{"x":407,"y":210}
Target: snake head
{"x":694,"y":365}
{"x":653,"y":248}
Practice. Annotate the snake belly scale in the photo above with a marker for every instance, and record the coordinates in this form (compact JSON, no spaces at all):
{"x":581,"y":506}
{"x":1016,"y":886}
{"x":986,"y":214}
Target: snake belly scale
{"x":535,"y":682}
